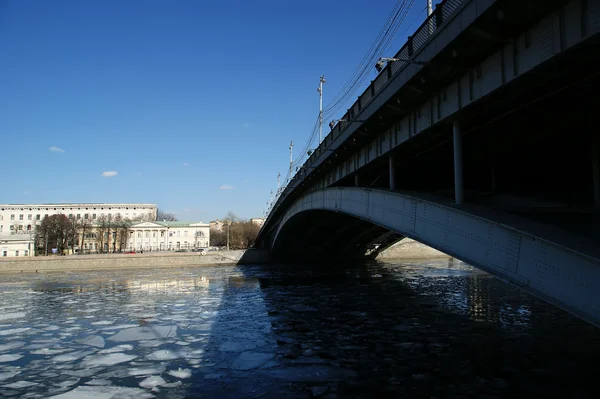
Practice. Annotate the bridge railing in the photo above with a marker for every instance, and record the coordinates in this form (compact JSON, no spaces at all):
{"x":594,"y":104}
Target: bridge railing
{"x":422,"y":35}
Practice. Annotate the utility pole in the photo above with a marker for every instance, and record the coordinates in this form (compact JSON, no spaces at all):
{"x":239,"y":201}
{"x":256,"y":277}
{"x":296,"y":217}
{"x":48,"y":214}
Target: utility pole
{"x":429,"y":8}
{"x":291,"y":159}
{"x":320,"y":90}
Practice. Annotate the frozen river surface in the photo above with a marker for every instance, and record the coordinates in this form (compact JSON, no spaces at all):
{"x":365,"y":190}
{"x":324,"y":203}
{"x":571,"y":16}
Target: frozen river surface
{"x":434,"y":329}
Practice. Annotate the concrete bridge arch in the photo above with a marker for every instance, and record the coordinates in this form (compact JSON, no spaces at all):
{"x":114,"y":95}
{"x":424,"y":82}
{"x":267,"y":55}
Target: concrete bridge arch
{"x":354,"y":222}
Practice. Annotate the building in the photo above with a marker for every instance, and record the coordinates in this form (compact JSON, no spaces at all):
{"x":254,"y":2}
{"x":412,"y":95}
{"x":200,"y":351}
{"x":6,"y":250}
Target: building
{"x":22,"y":219}
{"x":157,"y":236}
{"x":257,"y":221}
{"x":16,"y":245}
{"x":216,"y":225}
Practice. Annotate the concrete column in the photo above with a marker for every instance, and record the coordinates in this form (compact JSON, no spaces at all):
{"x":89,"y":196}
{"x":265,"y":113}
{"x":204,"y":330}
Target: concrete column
{"x":392,"y":173}
{"x":356,"y":180}
{"x":458,"y":163}
{"x":596,"y":168}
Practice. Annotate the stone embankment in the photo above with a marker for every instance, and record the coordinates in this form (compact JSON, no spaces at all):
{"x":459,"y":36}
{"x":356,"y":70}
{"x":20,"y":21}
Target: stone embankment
{"x":405,"y":249}
{"x":410,"y":249}
{"x":117,"y":261}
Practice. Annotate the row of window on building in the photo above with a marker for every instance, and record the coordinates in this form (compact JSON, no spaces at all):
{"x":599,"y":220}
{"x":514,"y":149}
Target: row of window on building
{"x":25,"y":253}
{"x":86,"y":216}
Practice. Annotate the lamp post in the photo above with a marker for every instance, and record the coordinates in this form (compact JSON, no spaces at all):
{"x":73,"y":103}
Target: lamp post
{"x":320,"y":90}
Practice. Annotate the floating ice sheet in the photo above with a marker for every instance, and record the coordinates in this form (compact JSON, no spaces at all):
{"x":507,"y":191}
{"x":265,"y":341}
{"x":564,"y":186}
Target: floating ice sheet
{"x":144,"y":333}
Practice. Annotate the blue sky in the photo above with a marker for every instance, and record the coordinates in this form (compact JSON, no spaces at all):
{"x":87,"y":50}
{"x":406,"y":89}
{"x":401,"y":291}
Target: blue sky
{"x":192,"y":103}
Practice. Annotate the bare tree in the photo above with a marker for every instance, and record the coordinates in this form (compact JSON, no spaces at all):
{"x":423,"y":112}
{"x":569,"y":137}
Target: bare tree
{"x":84,"y":227}
{"x":103,"y":227}
{"x":55,"y":230}
{"x":165,"y":216}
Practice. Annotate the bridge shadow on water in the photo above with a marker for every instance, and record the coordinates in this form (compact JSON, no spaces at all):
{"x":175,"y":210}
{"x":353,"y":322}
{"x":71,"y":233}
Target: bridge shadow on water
{"x":387,"y":330}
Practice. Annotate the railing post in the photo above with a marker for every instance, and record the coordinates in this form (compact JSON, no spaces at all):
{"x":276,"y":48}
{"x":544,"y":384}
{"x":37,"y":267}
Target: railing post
{"x":392,"y":173}
{"x":410,"y":46}
{"x":458,"y":163}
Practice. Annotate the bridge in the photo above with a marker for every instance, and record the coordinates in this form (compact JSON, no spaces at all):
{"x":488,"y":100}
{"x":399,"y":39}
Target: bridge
{"x":478,"y":138}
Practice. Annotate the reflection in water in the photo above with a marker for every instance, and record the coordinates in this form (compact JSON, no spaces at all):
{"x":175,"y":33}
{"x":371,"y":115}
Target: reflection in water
{"x":435,"y":329}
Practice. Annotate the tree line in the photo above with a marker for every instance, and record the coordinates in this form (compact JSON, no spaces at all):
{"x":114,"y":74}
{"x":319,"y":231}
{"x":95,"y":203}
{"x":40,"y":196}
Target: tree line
{"x":58,"y":231}
{"x":242,"y":233}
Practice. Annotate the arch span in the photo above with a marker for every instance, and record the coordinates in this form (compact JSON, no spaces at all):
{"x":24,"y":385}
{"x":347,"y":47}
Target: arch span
{"x":556,"y":272}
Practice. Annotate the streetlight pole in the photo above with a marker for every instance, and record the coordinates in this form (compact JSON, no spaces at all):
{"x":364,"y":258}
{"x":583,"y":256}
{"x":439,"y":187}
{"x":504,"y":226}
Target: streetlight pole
{"x":228,"y":226}
{"x":429,"y":7}
{"x":291,"y":158}
{"x":320,"y":90}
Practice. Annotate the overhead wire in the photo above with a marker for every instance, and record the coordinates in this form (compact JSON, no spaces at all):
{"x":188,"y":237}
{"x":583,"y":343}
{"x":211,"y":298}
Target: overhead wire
{"x":375,"y":52}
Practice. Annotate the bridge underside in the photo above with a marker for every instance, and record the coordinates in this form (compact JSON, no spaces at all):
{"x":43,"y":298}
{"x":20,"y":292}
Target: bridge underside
{"x":354,"y":223}
{"x":321,"y":235}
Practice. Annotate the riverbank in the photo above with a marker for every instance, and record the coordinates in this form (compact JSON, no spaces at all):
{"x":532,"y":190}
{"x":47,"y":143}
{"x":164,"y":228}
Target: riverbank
{"x":403,"y":250}
{"x":410,"y":249}
{"x":43,"y":264}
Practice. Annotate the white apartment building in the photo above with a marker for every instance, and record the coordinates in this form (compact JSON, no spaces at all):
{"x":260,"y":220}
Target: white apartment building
{"x":22,"y":218}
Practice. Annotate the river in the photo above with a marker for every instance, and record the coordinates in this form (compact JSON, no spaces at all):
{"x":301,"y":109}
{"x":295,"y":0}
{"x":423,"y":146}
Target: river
{"x":430,"y":329}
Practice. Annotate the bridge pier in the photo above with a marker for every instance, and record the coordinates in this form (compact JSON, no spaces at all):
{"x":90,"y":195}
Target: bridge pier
{"x":458,"y":163}
{"x":392,"y":173}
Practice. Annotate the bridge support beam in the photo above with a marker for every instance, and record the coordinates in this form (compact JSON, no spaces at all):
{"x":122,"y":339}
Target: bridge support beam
{"x":458,"y":163}
{"x":392,"y":173}
{"x":596,"y":167}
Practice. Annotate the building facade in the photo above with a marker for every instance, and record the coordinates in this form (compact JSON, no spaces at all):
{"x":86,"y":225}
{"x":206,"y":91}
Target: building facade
{"x":16,"y":245}
{"x":22,"y":219}
{"x":160,"y":236}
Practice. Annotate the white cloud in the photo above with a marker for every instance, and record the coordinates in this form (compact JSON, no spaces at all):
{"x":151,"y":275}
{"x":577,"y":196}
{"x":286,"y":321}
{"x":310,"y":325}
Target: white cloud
{"x":226,"y":187}
{"x":56,"y":149}
{"x":186,"y":164}
{"x":109,"y":173}
{"x":245,"y":125}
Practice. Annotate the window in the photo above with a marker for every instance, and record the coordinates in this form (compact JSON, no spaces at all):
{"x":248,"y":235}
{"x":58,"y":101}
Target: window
{"x":20,"y":217}
{"x":78,"y":216}
{"x":139,"y":234}
{"x":154,"y":234}
{"x":12,"y":217}
{"x":45,"y":216}
{"x":162,"y":233}
{"x":93,"y":216}
{"x":4,"y":253}
{"x":185,"y":233}
{"x":86,"y":216}
{"x":70,"y":216}
{"x":30,"y":217}
{"x":26,"y":253}
{"x":147,"y":234}
{"x":37,"y":217}
{"x":16,"y":253}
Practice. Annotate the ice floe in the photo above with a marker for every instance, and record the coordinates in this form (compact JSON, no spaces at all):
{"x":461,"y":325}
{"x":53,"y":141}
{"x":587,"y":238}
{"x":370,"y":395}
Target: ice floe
{"x":9,"y":358}
{"x":7,"y":375}
{"x":152,"y":381}
{"x":104,"y":392}
{"x":144,"y":333}
{"x":114,"y":349}
{"x":20,"y":384}
{"x":180,"y":373}
{"x":14,"y":331}
{"x":11,"y":345}
{"x":107,"y":360}
{"x":92,"y":340}
{"x":10,"y":316}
